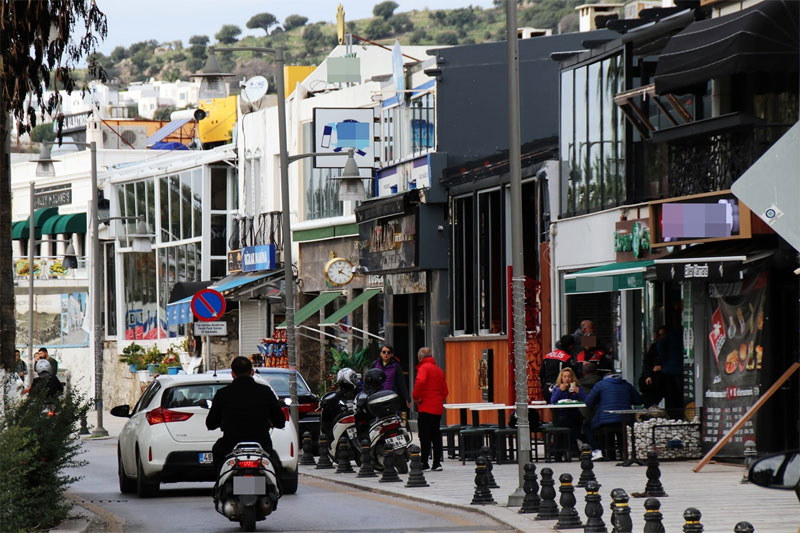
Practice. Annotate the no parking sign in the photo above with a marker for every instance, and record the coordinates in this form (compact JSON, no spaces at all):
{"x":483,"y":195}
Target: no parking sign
{"x":208,"y":305}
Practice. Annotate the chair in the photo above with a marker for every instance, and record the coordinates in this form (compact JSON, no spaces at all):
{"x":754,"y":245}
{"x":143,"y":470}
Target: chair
{"x":470,"y":441}
{"x":505,"y":445}
{"x":556,"y":443}
{"x":450,"y":433}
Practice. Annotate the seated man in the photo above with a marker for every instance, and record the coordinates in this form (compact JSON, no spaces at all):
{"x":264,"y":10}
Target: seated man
{"x":245,"y":410}
{"x":609,"y":394}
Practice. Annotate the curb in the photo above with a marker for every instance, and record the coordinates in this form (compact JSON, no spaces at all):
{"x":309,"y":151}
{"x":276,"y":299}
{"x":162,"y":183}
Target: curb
{"x":85,"y":517}
{"x":378,"y":490}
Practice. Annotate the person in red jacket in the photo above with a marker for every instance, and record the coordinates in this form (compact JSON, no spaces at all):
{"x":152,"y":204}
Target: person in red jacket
{"x":430,"y":390}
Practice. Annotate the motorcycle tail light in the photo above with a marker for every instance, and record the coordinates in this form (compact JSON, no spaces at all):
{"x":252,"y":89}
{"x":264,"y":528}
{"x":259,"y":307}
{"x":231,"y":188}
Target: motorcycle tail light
{"x":248,"y":463}
{"x":306,"y":408}
{"x":391,"y":426}
{"x":161,"y":415}
{"x":348,"y":420}
{"x":291,"y":450}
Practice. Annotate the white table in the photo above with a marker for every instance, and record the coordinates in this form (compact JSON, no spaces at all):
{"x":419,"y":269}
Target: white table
{"x":556,"y":405}
{"x":463,"y":407}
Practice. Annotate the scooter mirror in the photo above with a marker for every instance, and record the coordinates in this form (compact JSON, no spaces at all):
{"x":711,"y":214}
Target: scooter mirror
{"x":780,"y":471}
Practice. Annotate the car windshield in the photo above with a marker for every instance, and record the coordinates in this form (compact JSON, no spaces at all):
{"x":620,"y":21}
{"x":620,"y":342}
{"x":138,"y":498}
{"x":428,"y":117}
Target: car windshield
{"x":280,"y":383}
{"x":189,"y":395}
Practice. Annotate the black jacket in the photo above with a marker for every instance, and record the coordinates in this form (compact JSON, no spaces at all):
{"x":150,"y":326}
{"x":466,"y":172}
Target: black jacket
{"x":245,"y":411}
{"x":48,"y":385}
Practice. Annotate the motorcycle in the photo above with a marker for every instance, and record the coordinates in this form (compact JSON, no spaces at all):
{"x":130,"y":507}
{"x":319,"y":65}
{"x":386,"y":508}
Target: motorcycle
{"x":387,"y":427}
{"x":247,"y":488}
{"x":339,"y":418}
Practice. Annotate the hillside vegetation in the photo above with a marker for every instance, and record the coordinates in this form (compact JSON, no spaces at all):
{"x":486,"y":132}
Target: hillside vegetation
{"x":308,"y":44}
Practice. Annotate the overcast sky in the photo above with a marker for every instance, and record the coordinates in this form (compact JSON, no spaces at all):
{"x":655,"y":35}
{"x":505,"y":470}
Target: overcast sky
{"x":171,"y":20}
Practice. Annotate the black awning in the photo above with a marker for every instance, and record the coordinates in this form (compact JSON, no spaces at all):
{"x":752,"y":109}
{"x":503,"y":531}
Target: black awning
{"x":762,"y":38}
{"x":184,"y":289}
{"x":723,"y":261}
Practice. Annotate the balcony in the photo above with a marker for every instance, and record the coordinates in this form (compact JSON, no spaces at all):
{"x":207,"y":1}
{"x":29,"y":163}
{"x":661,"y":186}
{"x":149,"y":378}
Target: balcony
{"x":50,"y":277}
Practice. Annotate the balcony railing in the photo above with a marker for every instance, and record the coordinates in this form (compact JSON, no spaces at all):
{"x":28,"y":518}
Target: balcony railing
{"x":48,"y":268}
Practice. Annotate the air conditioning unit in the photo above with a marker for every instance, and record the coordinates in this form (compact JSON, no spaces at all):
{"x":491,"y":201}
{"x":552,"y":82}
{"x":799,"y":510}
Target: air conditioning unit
{"x":125,"y":137}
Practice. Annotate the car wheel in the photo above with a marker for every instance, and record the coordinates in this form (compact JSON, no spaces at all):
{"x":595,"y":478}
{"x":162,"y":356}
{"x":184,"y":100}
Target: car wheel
{"x":248,"y":521}
{"x":126,"y":484}
{"x":144,"y":487}
{"x":289,"y":482}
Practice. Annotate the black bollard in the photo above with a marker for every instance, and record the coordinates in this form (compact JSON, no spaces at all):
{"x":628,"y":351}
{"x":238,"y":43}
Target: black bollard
{"x":531,"y":501}
{"x":324,"y":461}
{"x":587,"y":466}
{"x":343,"y":465}
{"x":389,"y":472}
{"x":692,"y":518}
{"x":366,"y":469}
{"x":482,"y":496}
{"x":84,"y":429}
{"x":548,"y":509}
{"x":486,"y":453}
{"x":653,"y":487}
{"x":415,"y":476}
{"x":568,"y":516}
{"x":307,"y":457}
{"x":750,"y":456}
{"x":594,"y":509}
{"x":620,"y":512}
{"x":744,"y":527}
{"x":653,"y":516}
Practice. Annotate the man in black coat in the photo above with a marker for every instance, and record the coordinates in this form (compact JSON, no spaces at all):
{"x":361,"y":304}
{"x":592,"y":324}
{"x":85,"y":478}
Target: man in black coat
{"x":245,"y":410}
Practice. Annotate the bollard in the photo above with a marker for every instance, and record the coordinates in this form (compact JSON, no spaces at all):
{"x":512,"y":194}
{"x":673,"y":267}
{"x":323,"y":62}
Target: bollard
{"x":343,"y":465}
{"x":653,"y":487}
{"x":84,"y":429}
{"x":307,"y":458}
{"x":652,"y":516}
{"x":594,"y":509}
{"x":486,"y":453}
{"x":568,"y":516}
{"x":389,"y":472}
{"x":692,"y":518}
{"x":482,"y":496}
{"x":531,"y":501}
{"x":366,"y":469}
{"x":743,"y":527}
{"x":415,"y":476}
{"x":324,"y":461}
{"x":750,"y":456}
{"x":548,"y":509}
{"x":620,"y":512}
{"x":587,"y":466}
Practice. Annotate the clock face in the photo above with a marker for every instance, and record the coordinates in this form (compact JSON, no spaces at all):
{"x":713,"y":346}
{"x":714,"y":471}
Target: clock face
{"x":339,"y":271}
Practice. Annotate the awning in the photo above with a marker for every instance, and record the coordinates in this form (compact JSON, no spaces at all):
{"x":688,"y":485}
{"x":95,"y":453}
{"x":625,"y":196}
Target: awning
{"x":607,"y":278}
{"x":19,"y":230}
{"x":352,"y":305}
{"x":716,"y":262}
{"x":73,"y":223}
{"x":166,"y":131}
{"x":305,"y":312}
{"x":762,"y":38}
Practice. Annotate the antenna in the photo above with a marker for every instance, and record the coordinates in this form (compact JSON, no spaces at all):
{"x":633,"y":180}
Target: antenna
{"x":254,"y":89}
{"x":215,"y":369}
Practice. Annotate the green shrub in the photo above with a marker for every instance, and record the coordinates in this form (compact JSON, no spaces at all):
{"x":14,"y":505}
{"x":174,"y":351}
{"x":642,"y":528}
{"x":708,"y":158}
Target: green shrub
{"x":36,"y":450}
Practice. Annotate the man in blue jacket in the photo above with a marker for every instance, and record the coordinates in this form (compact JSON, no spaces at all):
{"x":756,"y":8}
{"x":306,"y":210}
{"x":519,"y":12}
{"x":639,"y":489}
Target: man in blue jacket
{"x":609,"y":394}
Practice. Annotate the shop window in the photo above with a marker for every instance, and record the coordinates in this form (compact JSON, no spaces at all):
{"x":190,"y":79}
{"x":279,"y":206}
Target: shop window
{"x":423,"y":124}
{"x":491,"y":262}
{"x":463,"y":265}
{"x":111,"y":290}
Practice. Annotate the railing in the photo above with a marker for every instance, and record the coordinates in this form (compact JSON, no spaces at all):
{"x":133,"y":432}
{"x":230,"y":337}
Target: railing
{"x":48,"y":268}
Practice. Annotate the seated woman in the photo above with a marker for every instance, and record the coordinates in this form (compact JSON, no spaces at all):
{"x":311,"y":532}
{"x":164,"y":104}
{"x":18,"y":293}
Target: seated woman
{"x":567,"y":388}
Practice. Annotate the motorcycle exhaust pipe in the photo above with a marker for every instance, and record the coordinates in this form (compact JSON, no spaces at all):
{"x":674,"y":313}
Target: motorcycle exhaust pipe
{"x":264,"y":506}
{"x":229,"y":509}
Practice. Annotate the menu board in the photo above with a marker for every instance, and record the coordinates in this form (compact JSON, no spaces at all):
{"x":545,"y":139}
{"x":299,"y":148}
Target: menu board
{"x":732,"y":377}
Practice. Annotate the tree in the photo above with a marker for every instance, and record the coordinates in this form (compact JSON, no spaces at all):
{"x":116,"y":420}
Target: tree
{"x":294,"y":21}
{"x":119,"y":53}
{"x":400,"y":23}
{"x":228,"y":34}
{"x":377,"y":28}
{"x":385,"y":10}
{"x":43,"y":132}
{"x":163,"y":112}
{"x":418,"y":36}
{"x":198,"y":46}
{"x":263,"y":20}
{"x":312,"y":37}
{"x":447,"y":37}
{"x":32,"y":56}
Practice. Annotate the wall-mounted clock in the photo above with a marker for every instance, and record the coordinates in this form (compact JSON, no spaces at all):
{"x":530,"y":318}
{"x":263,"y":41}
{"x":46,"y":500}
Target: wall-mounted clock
{"x":339,"y":271}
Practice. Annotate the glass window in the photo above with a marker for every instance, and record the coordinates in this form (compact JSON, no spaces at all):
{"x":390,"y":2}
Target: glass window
{"x":174,"y":208}
{"x":141,"y":307}
{"x":218,"y":269}
{"x":111,"y":291}
{"x":463,"y":259}
{"x":197,"y":201}
{"x":186,"y":205}
{"x":219,"y":188}
{"x":581,"y":147}
{"x":422,"y":124}
{"x":164,"y":211}
{"x":219,"y":234}
{"x":151,"y":206}
{"x":594,"y":114}
{"x":567,"y":141}
{"x":491,"y":260}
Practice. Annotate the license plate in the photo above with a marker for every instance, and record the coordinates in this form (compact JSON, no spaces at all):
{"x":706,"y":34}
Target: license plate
{"x":396,"y":442}
{"x":206,"y":458}
{"x":351,"y":432}
{"x":249,"y":485}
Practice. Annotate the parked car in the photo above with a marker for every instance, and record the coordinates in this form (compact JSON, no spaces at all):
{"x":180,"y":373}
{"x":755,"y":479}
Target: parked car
{"x":308,"y":402}
{"x":166,"y":440}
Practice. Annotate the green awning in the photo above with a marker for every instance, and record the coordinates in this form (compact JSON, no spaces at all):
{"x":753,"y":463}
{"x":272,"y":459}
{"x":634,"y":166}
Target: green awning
{"x":74,"y":223}
{"x":305,"y":312}
{"x":351,"y":306}
{"x":19,"y":230}
{"x":607,"y":278}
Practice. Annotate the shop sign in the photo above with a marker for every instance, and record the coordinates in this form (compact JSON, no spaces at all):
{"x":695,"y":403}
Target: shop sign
{"x":406,"y":176}
{"x":212,"y":329}
{"x":702,"y":271}
{"x":407,"y":283}
{"x":388,"y":243}
{"x":337,"y":130}
{"x":632,"y":241}
{"x":235,"y":261}
{"x":261,"y":257}
{"x":52,"y":196}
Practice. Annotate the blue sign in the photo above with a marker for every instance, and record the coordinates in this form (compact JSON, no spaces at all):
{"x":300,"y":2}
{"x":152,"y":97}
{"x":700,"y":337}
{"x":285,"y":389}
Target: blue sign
{"x":208,"y":305}
{"x":261,"y":257}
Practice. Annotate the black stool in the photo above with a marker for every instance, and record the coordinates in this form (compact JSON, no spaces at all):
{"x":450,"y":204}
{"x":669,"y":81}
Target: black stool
{"x":470,"y":441}
{"x":505,"y":447}
{"x":450,"y":433}
{"x":556,"y":443}
{"x":611,"y":439}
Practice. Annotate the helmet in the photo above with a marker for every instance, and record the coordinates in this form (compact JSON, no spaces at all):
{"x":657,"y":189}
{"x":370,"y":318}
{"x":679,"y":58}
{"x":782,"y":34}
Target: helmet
{"x":42,"y":365}
{"x":374,"y":378}
{"x":347,"y":378}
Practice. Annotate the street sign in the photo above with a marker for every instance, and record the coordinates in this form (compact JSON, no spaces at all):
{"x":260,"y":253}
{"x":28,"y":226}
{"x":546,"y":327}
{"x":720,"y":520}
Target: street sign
{"x":260,"y":257}
{"x":770,"y":187}
{"x":212,"y":329}
{"x":208,"y":305}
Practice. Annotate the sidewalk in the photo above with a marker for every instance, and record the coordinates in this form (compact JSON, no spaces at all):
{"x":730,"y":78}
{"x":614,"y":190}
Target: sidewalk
{"x":716,"y":491}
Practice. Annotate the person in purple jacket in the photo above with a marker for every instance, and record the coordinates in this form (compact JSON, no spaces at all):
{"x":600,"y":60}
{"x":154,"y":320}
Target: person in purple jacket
{"x":567,"y":388}
{"x":394,"y":373}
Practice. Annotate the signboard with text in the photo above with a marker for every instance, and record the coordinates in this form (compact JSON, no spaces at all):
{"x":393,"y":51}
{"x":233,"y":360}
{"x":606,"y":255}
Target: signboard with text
{"x":212,"y":329}
{"x":52,"y":196}
{"x":234,"y":261}
{"x":255,"y":258}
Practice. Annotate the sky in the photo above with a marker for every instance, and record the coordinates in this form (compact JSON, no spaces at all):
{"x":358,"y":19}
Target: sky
{"x":171,"y":20}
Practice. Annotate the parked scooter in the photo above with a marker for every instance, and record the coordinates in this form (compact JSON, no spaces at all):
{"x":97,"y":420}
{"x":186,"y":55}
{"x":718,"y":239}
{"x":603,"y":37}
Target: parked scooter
{"x":338,"y":414}
{"x":378,"y":409}
{"x":247,"y":488}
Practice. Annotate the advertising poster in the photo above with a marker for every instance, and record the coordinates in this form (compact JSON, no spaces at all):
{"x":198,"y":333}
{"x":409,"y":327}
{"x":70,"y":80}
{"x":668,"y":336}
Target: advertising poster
{"x":732,"y":382}
{"x":338,"y":129}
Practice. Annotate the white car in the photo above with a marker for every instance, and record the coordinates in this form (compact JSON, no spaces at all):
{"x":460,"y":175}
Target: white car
{"x":166,"y":439}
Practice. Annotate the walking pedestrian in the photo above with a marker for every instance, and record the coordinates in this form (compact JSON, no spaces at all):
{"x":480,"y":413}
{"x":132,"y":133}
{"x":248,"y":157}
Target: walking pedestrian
{"x":430,"y":390}
{"x":395,"y":381}
{"x":19,"y":365}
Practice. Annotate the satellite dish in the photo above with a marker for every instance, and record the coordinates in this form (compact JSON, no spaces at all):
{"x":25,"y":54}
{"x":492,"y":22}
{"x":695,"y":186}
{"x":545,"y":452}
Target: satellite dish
{"x":255,"y":88}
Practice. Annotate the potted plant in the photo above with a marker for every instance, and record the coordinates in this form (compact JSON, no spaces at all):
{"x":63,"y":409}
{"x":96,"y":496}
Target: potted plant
{"x":172,"y":361}
{"x":153,"y":359}
{"x":133,"y":355}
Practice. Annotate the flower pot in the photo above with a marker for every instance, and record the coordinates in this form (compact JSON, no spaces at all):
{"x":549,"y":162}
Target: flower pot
{"x":143,"y":376}
{"x":173,"y":370}
{"x":151,"y":369}
{"x":132,"y":368}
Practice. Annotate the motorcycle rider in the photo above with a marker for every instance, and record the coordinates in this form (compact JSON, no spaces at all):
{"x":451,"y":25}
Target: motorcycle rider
{"x":46,"y":382}
{"x":245,"y":410}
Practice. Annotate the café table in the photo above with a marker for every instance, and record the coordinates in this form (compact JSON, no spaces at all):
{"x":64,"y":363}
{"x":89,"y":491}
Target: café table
{"x":463,"y":408}
{"x":628,"y":459}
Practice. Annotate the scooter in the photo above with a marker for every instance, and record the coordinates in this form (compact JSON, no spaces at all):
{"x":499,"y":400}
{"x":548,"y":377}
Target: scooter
{"x":387,"y":427}
{"x":247,"y":489}
{"x":338,"y":418}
